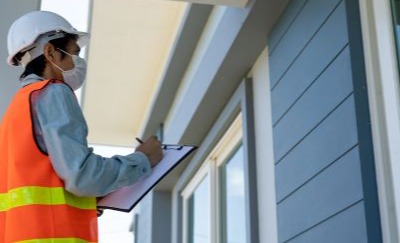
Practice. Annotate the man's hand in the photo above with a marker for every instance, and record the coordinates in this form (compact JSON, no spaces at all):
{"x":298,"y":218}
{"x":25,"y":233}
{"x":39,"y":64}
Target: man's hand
{"x":152,"y":149}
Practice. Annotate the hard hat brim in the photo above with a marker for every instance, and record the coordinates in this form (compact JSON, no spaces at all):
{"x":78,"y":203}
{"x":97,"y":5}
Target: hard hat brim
{"x":83,"y":40}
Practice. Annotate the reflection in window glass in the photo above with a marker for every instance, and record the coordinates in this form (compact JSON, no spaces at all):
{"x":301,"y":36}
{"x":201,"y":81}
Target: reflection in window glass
{"x":396,"y":23}
{"x":199,"y":214}
{"x":233,"y":199}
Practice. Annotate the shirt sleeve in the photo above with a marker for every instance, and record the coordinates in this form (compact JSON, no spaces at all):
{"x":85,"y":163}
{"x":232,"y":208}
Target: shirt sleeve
{"x":64,"y":132}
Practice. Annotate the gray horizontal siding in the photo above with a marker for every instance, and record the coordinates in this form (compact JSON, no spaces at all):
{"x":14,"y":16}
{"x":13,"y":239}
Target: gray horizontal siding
{"x":336,"y":230}
{"x":318,"y":167}
{"x":288,"y":17}
{"x":298,"y":35}
{"x":331,"y":88}
{"x":323,"y":197}
{"x":314,"y":153}
{"x":330,"y":40}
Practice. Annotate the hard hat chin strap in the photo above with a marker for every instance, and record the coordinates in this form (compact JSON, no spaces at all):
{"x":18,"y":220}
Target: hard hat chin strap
{"x":26,"y":59}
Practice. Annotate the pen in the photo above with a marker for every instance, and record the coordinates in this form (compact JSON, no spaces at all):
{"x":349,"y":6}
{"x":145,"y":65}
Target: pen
{"x":139,"y":140}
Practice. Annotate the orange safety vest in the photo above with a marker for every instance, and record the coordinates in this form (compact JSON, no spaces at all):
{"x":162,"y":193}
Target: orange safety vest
{"x":34,"y":206}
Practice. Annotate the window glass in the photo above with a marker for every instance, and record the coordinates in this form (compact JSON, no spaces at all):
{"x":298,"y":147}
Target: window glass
{"x":199,"y":214}
{"x":233,"y":199}
{"x":396,"y":23}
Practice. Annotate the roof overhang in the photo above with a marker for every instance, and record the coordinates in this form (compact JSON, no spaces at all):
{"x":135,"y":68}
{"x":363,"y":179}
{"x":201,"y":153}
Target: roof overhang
{"x":232,"y":3}
{"x":240,"y":36}
{"x":130,"y":42}
{"x":249,"y":26}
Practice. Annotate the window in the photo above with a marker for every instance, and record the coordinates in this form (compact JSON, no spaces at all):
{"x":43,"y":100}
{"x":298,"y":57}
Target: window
{"x":233,"y":198}
{"x":199,"y":213}
{"x":218,"y":189}
{"x":77,"y":12}
{"x":396,"y":24}
{"x":214,"y":200}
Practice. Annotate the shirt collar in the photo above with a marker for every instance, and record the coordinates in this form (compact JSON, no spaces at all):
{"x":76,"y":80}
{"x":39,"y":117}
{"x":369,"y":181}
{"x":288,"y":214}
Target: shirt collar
{"x":31,"y":78}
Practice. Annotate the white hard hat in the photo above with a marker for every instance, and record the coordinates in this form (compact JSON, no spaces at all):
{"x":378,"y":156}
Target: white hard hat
{"x":32,"y":31}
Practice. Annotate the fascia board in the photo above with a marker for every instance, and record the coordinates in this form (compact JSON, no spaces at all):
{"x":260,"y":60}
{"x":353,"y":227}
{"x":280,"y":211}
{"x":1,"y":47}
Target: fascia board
{"x":190,"y":31}
{"x":231,"y":3}
{"x":239,"y":38}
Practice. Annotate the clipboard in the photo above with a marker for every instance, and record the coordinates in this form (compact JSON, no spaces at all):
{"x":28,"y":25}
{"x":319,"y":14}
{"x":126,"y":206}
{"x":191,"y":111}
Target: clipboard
{"x":126,"y":198}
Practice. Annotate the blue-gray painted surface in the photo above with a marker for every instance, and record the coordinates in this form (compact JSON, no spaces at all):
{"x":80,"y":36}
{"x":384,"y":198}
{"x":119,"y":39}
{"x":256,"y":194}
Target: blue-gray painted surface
{"x":320,"y":160}
{"x":313,"y":15}
{"x":10,"y":10}
{"x":336,"y":229}
{"x":321,"y":198}
{"x":330,"y":40}
{"x":144,"y":224}
{"x":335,"y":136}
{"x":161,"y":217}
{"x":286,"y":20}
{"x":329,"y":90}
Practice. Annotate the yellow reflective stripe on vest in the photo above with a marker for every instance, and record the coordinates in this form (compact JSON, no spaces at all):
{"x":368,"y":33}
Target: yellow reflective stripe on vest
{"x":54,"y":240}
{"x":35,"y":195}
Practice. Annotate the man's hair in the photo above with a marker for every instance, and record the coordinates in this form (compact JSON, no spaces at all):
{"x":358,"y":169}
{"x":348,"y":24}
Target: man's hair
{"x":37,"y":65}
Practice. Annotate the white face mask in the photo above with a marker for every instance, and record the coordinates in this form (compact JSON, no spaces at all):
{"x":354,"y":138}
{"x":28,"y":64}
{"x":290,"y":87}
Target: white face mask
{"x":74,"y":77}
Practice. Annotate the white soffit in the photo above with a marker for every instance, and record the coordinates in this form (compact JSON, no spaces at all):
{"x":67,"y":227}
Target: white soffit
{"x":232,"y":3}
{"x":130,"y":42}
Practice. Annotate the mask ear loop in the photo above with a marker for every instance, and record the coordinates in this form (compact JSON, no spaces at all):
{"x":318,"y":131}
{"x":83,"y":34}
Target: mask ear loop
{"x":56,"y":66}
{"x":71,"y":55}
{"x":62,"y":70}
{"x":64,"y":52}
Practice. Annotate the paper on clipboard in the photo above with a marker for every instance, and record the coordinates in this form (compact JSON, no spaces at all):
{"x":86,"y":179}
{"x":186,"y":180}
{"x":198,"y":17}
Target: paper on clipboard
{"x":126,"y":198}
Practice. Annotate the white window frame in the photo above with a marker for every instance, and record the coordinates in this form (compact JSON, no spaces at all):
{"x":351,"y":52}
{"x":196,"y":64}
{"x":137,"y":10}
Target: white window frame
{"x":241,"y":102}
{"x":384,"y":100}
{"x":189,"y":190}
{"x":211,"y":166}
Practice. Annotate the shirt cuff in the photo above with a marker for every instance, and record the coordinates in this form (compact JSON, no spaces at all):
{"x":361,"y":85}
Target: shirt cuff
{"x":143,"y":163}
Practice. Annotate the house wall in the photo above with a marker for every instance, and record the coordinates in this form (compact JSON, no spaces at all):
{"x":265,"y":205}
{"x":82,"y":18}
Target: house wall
{"x":10,"y":10}
{"x":315,"y":166}
{"x":384,"y":98}
{"x":144,"y":223}
{"x":162,"y":216}
{"x":324,"y":168}
{"x":153,"y":220}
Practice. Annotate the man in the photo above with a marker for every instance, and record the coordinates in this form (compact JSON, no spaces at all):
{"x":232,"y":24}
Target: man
{"x":49,"y":178}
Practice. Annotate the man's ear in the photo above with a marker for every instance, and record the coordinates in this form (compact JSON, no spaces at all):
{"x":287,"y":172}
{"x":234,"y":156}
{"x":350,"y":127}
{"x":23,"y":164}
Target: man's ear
{"x":49,"y":52}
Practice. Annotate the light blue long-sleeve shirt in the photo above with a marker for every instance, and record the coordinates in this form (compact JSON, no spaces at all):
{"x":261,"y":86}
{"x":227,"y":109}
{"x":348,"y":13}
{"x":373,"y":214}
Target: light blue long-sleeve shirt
{"x":61,"y":132}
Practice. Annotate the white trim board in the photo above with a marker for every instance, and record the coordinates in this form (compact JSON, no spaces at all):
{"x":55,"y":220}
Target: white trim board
{"x":267,"y":210}
{"x":384,"y":99}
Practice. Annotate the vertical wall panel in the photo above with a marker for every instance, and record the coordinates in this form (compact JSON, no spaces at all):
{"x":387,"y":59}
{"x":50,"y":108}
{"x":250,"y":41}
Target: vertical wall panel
{"x":144,"y":225}
{"x":161,"y":214}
